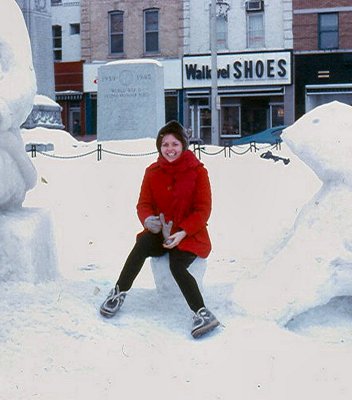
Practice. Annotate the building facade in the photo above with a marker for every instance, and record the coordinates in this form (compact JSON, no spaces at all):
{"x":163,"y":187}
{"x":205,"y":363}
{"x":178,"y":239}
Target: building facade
{"x":37,"y":15}
{"x":254,"y":60}
{"x":121,"y":30}
{"x":323,"y":52}
{"x":68,"y":66}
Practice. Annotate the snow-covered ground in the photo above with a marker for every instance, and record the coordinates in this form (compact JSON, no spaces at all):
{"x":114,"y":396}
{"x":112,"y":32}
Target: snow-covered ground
{"x":55,"y":345}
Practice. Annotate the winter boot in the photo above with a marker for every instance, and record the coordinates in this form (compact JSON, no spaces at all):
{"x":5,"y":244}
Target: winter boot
{"x":113,"y":302}
{"x":203,"y":322}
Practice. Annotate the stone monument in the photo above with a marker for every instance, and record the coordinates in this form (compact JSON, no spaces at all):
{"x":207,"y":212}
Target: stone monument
{"x":37,"y":16}
{"x":131,"y":101}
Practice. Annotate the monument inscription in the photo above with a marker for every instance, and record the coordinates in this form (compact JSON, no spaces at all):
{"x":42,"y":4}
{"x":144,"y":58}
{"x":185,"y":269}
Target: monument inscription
{"x":130,"y":99}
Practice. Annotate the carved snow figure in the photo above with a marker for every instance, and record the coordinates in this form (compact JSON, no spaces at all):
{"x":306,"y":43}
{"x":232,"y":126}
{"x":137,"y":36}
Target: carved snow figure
{"x":27,"y":250}
{"x":315,"y":263}
{"x":17,"y":90}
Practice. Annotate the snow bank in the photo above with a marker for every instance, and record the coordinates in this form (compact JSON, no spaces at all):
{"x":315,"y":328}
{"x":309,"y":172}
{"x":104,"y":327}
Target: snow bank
{"x":315,"y":263}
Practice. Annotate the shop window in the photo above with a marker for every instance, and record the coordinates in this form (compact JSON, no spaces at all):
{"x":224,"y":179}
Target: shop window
{"x":151,"y":30}
{"x":230,"y":121}
{"x":171,"y":107}
{"x":221,"y":32}
{"x":277,"y":115}
{"x":328,"y":31}
{"x":57,"y":42}
{"x":255,"y":30}
{"x":116,"y":32}
{"x":75,"y":29}
{"x":254,"y":116}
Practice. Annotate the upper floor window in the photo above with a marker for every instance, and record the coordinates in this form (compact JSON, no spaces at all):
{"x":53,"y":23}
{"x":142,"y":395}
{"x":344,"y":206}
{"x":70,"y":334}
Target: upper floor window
{"x":116,"y":32}
{"x":255,"y":30}
{"x":75,"y":29}
{"x":328,"y":31}
{"x":55,"y":2}
{"x":57,"y":42}
{"x":221,"y":32}
{"x":151,"y":30}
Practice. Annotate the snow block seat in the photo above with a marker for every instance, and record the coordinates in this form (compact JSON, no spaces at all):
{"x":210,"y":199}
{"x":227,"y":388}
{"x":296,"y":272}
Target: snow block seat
{"x":165,"y":282}
{"x":27,"y":251}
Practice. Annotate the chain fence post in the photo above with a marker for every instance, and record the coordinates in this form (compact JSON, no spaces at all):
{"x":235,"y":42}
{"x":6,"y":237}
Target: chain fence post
{"x":99,"y":153}
{"x":253,"y":147}
{"x":34,"y":150}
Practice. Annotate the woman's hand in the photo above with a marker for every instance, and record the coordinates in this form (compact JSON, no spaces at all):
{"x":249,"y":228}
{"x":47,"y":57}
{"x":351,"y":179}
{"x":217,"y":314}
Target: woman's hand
{"x":174,"y":240}
{"x":153,"y":224}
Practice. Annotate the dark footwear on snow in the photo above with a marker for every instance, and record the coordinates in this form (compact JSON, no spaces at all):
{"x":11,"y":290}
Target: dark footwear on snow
{"x":203,"y":322}
{"x":113,"y":303}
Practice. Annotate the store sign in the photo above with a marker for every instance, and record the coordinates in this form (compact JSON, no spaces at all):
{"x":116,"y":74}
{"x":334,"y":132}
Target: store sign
{"x":243,"y":69}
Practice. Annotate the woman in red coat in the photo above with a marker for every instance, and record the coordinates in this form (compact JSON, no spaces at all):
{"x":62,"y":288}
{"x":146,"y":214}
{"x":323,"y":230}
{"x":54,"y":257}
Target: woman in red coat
{"x":174,"y":206}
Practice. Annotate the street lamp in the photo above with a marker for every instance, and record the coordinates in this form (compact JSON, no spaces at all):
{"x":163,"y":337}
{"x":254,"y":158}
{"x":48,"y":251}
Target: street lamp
{"x":217,"y":8}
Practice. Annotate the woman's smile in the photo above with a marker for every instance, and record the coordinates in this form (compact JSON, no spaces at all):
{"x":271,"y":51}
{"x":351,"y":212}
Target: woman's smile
{"x":171,"y":148}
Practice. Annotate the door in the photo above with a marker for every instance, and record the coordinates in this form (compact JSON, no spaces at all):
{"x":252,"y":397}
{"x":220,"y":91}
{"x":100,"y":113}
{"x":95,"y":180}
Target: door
{"x":204,"y":124}
{"x":74,"y":122}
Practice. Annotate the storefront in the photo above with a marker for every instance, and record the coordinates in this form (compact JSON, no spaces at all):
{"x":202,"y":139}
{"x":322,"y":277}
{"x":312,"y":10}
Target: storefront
{"x":254,"y":93}
{"x":322,"y":78}
{"x":69,"y":94}
{"x":172,"y":87}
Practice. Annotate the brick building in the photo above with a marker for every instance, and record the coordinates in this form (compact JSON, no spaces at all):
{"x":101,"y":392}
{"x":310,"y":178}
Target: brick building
{"x":323,"y":52}
{"x":122,"y":29}
{"x":254,"y":59}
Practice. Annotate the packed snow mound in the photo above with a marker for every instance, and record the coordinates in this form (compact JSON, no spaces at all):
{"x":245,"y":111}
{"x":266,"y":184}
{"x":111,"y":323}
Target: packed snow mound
{"x":322,"y":139}
{"x":315,"y":263}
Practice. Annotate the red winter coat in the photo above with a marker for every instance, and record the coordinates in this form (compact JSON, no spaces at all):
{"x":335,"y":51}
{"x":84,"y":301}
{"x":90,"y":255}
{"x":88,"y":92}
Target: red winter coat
{"x":181,"y":191}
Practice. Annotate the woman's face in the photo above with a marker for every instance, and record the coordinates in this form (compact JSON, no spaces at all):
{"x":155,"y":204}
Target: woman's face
{"x":171,"y":148}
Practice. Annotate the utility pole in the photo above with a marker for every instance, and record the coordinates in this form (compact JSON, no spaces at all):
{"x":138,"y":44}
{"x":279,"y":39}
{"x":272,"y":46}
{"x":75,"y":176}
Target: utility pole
{"x":214,"y":75}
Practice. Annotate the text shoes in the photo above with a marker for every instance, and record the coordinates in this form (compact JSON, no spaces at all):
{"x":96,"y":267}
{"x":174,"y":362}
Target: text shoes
{"x":203,"y":322}
{"x":113,"y":303}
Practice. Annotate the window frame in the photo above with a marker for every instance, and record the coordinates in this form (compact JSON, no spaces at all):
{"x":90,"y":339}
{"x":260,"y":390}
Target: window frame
{"x":75,"y":29}
{"x":147,"y":32}
{"x":117,"y":33}
{"x":222,"y":20}
{"x":57,"y":50}
{"x":326,"y":31}
{"x":251,"y":15}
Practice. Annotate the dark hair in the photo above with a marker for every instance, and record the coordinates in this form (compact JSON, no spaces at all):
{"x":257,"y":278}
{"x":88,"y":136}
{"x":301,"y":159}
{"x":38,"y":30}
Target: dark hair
{"x":176,"y":129}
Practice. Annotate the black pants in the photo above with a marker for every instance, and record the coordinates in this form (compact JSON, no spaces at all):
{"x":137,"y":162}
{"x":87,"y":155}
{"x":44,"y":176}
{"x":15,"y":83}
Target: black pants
{"x":150,"y":245}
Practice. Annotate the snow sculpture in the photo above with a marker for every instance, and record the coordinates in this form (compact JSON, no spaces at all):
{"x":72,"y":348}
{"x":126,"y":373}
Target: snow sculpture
{"x":17,"y":90}
{"x":25,"y":235}
{"x":315,"y":264}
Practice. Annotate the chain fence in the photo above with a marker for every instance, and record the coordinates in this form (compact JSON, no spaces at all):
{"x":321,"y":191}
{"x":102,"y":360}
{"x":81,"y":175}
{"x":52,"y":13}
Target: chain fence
{"x":198,"y":150}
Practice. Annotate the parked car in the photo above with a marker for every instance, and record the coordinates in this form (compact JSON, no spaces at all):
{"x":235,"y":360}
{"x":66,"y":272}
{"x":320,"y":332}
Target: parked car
{"x":270,"y":136}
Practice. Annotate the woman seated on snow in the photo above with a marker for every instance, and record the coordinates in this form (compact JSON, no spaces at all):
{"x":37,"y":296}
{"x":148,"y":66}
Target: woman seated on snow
{"x":174,"y":206}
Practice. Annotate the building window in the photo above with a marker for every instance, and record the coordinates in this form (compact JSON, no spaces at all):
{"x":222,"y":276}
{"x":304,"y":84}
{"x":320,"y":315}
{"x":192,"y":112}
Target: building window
{"x":230,"y":121}
{"x":56,"y":2}
{"x":57,"y":42}
{"x":277,"y":113}
{"x":75,"y":29}
{"x":116,"y":32}
{"x":221,"y":32}
{"x":151,"y":31}
{"x":255,"y":30}
{"x":328,"y":31}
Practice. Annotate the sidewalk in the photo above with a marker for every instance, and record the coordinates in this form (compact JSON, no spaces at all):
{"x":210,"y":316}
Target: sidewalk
{"x":85,"y":138}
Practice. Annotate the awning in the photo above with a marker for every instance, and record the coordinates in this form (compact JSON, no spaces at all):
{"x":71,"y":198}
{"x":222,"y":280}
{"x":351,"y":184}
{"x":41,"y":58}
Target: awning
{"x":68,"y":95}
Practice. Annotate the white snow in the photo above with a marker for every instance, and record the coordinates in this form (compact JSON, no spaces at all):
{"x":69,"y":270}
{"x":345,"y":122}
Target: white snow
{"x":270,"y":223}
{"x":55,"y":345}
